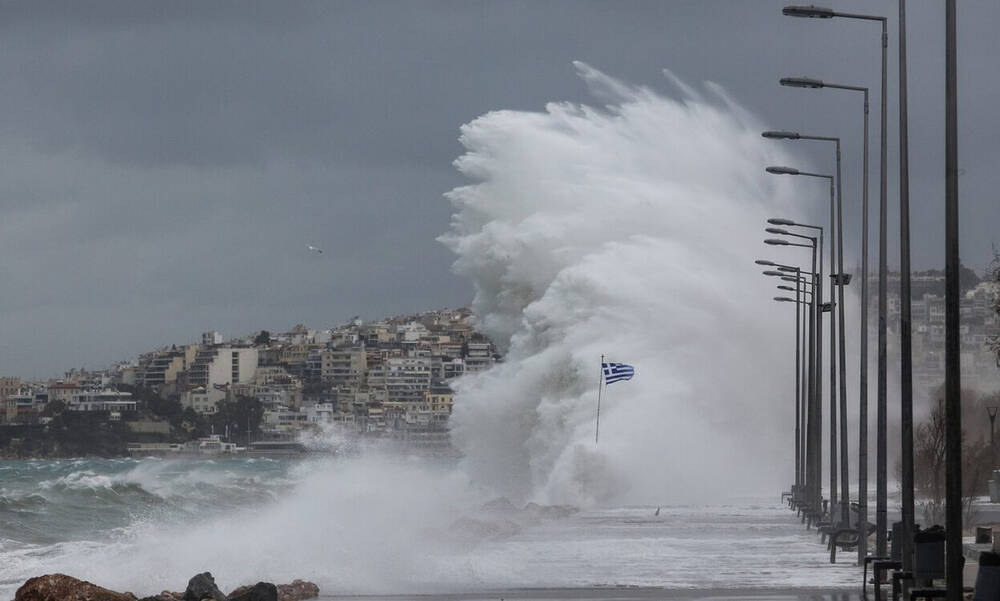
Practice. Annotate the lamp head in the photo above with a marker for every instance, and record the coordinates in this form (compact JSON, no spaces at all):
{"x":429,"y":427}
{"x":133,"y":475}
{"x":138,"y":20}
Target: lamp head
{"x":782,"y":170}
{"x":801,"y":82}
{"x":784,"y":299}
{"x":780,"y":221}
{"x":774,"y":273}
{"x":776,"y":230}
{"x":782,"y":135}
{"x":783,"y":287}
{"x":776,"y":242}
{"x":765,"y":263}
{"x":811,"y":12}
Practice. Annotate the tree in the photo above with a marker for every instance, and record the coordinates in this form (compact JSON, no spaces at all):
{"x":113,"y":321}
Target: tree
{"x":262,"y":339}
{"x":53,"y":408}
{"x":929,"y":457}
{"x":191,"y":422}
{"x":238,"y":414}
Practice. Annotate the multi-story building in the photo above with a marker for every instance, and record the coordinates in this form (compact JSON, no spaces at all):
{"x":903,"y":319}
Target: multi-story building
{"x":213,"y":371}
{"x":9,"y":386}
{"x":164,"y":368}
{"x":403,"y":379}
{"x":63,"y":391}
{"x":107,"y":400}
{"x":222,"y":366}
{"x":343,"y":366}
{"x":478,"y":356}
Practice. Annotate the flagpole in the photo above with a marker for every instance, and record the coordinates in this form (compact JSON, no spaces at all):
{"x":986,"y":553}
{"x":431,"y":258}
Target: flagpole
{"x":597,"y":430}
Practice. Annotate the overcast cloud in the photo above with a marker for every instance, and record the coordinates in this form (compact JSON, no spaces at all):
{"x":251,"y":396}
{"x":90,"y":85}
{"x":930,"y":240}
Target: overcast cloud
{"x":164,"y":164}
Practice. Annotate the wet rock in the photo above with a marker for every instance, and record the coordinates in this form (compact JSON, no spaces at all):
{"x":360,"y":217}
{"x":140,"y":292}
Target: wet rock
{"x":165,"y":596}
{"x":298,"y":590}
{"x":60,"y":587}
{"x":202,"y":586}
{"x":262,"y":591}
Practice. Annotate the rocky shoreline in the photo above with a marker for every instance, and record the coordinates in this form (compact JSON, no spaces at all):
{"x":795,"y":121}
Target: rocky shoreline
{"x":201,"y":587}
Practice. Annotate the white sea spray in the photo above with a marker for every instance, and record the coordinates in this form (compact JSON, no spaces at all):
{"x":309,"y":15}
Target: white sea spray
{"x":627,"y":231}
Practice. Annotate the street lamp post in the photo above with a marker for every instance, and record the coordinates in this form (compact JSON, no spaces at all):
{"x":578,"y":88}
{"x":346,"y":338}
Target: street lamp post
{"x":815,"y":351}
{"x":838,"y":281}
{"x":805,"y":82}
{"x":801,"y":281}
{"x":803,"y":378}
{"x":817,"y":363}
{"x":798,"y":372}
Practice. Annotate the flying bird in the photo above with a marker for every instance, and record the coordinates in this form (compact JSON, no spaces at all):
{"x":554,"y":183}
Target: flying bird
{"x":314,"y":249}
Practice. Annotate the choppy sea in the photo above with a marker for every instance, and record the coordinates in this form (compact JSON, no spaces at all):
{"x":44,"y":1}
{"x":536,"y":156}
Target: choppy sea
{"x":379,"y":527}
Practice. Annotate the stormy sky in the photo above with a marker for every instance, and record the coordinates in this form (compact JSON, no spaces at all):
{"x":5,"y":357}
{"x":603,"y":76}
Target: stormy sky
{"x":165,"y":164}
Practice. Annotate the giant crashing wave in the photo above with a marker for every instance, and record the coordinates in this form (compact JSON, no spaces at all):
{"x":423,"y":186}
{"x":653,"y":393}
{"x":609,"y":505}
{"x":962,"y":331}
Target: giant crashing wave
{"x":627,"y":231}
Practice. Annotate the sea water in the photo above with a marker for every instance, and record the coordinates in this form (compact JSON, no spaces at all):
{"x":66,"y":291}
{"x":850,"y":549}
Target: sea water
{"x":148,"y":525}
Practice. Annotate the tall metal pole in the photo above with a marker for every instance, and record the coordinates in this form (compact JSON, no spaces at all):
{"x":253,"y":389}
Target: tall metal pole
{"x":833,"y":368}
{"x":881,"y":448}
{"x":811,"y":398}
{"x":905,"y":324}
{"x":818,"y":381}
{"x":952,"y":369}
{"x":845,"y":493}
{"x":863,"y":373}
{"x":805,"y":385}
{"x":798,"y":390}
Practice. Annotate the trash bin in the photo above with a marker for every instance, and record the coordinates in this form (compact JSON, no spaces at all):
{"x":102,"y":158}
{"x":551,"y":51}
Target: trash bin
{"x":928,"y":554}
{"x":987,"y":577}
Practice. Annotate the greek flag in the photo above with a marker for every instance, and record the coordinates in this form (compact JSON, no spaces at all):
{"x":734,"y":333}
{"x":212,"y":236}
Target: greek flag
{"x":616,"y":372}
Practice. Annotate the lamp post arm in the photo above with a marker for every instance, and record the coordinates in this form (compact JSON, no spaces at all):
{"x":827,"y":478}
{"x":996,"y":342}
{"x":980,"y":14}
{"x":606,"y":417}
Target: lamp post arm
{"x":859,"y":16}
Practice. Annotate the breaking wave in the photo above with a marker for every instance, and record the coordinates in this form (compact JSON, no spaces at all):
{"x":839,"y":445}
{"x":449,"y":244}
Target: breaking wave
{"x":622,"y":231}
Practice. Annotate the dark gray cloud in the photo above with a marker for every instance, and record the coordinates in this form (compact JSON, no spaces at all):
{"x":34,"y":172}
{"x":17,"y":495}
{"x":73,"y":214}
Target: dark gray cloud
{"x":165,"y":163}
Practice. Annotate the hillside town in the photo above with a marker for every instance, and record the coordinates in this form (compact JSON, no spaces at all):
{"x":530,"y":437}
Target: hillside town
{"x":979,"y":328}
{"x":382,"y":379}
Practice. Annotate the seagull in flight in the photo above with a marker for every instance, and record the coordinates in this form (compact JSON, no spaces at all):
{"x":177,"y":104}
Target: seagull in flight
{"x":314,"y":249}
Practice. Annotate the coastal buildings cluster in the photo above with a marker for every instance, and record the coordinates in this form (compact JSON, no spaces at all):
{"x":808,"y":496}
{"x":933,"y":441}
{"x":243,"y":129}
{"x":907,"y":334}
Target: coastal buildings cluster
{"x":387,"y":378}
{"x":979,"y":328}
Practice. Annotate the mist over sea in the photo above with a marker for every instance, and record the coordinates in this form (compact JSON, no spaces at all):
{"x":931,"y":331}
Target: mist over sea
{"x":618,"y":231}
{"x":375,"y":526}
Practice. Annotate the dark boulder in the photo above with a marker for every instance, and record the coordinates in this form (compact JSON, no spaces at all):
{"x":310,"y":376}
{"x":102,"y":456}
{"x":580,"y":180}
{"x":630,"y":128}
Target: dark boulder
{"x":298,"y":590}
{"x":202,"y":586}
{"x":262,"y":591}
{"x":60,"y":587}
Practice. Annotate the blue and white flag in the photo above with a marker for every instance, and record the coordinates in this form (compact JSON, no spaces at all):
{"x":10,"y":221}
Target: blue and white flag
{"x":616,"y":372}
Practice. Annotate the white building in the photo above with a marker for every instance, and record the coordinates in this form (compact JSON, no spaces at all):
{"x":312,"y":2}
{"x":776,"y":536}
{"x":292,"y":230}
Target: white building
{"x":222,"y":366}
{"x":102,"y":400}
